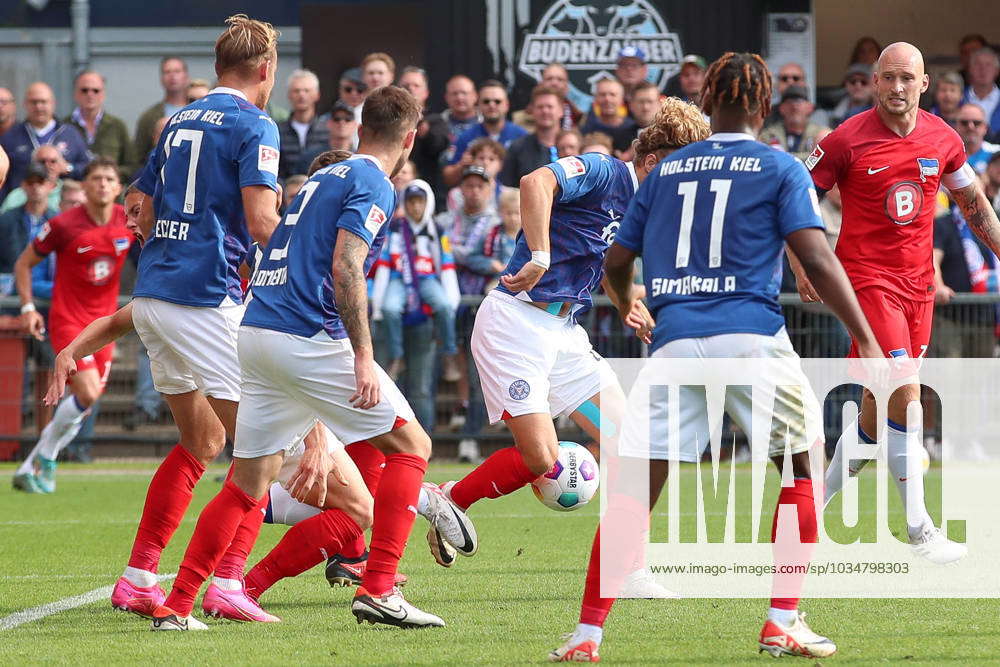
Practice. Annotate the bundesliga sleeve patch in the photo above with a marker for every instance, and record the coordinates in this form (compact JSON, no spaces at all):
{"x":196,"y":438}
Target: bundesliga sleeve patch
{"x":267,"y":159}
{"x":376,"y":218}
{"x":572,"y":166}
{"x":43,"y":232}
{"x":814,"y":157}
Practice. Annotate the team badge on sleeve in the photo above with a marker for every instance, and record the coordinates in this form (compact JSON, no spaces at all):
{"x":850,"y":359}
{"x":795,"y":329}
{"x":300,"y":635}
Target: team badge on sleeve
{"x":376,"y":218}
{"x":43,"y":232}
{"x":928,"y":167}
{"x":267,"y":159}
{"x":572,"y":166}
{"x":121,"y":245}
{"x":814,"y":157}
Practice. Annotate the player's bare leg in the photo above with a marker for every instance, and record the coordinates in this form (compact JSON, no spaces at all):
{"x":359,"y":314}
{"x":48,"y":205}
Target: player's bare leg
{"x":85,"y":387}
{"x":377,"y":600}
{"x":904,"y":458}
{"x":202,"y":437}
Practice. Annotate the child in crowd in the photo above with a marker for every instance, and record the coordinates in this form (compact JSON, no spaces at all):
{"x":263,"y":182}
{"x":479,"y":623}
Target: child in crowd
{"x":490,"y":257}
{"x":488,"y":154}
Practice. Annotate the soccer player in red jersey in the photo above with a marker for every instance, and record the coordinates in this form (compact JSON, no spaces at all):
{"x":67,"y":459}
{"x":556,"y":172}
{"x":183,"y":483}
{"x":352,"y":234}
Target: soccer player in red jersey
{"x":889,"y":163}
{"x":91,"y":243}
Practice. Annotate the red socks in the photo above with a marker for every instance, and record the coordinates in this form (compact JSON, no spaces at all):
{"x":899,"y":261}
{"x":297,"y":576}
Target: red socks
{"x":502,"y":473}
{"x":370,"y":462}
{"x":234,"y":561}
{"x":791,"y":546}
{"x":306,"y":544}
{"x":167,"y":499}
{"x":594,"y":609}
{"x":216,"y":528}
{"x":395,"y":511}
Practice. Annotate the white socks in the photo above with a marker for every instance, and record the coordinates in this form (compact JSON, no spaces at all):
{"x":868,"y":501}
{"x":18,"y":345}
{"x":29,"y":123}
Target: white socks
{"x":906,"y":464}
{"x":140,"y":578}
{"x":586,"y":632}
{"x":835,"y":478}
{"x":228,"y":584}
{"x":785,"y":617}
{"x":57,"y":434}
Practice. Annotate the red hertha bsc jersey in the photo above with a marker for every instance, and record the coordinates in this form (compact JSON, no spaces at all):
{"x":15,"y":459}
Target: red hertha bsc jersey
{"x":888,"y":185}
{"x":89,"y":259}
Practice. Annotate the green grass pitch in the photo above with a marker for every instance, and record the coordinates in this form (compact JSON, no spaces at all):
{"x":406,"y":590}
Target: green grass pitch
{"x":507,"y":605}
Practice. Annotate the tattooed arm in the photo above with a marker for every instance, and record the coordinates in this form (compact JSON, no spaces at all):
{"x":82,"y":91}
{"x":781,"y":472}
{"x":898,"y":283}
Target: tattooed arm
{"x":979,"y":214}
{"x":351,"y":293}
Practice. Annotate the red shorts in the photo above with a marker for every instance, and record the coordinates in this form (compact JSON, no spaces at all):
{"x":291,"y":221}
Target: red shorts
{"x":902,"y":326}
{"x":99,"y":361}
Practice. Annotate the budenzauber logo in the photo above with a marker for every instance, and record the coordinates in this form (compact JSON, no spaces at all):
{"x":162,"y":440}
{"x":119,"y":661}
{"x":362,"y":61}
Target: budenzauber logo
{"x":586,"y":37}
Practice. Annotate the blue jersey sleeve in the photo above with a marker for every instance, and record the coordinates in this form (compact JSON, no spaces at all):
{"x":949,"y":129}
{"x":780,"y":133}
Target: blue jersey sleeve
{"x":579,"y":175}
{"x":633,"y":225}
{"x":365,"y":207}
{"x":798,"y":205}
{"x":258,"y":152}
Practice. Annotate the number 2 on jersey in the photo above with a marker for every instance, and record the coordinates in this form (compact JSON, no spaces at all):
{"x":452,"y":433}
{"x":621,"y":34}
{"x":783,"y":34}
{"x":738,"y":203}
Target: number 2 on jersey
{"x":306,"y":192}
{"x":689,"y":190}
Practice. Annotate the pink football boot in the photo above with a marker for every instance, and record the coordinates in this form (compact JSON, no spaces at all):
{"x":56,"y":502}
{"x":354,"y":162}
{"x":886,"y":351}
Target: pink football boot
{"x":136,"y":599}
{"x":234,"y":605}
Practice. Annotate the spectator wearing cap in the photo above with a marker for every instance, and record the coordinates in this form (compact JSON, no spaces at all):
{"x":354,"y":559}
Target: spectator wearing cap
{"x":305,"y":131}
{"x":984,"y":68}
{"x":631,"y":68}
{"x":341,"y":131}
{"x":174,"y":80}
{"x":491,"y":156}
{"x":41,"y":127}
{"x":415,"y":278}
{"x":948,"y":91}
{"x":105,"y":134}
{"x":20,"y":224}
{"x":351,"y":90}
{"x":970,"y":123}
{"x":609,"y":95}
{"x":49,"y":158}
{"x":691,"y":77}
{"x":493,"y":106}
{"x":556,"y":77}
{"x":792,"y":74}
{"x":533,"y":150}
{"x":859,"y":94}
{"x":795,"y":134}
{"x":8,"y":112}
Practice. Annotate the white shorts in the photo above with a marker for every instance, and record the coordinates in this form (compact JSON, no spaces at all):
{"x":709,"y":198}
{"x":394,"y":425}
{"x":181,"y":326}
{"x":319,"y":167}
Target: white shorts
{"x":289,"y":382}
{"x":189,"y":347}
{"x":530,"y":361}
{"x":294,"y":455}
{"x":784,"y":399}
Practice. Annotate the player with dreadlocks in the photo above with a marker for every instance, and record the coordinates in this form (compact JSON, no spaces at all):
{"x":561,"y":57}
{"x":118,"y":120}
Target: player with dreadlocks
{"x":714,"y":216}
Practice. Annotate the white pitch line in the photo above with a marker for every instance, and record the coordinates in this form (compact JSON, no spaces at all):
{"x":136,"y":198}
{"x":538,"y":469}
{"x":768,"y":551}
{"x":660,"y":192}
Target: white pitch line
{"x":59,"y":606}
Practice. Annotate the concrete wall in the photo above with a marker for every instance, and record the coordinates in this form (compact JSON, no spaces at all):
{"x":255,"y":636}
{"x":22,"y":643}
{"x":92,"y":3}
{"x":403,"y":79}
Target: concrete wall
{"x":129,"y":59}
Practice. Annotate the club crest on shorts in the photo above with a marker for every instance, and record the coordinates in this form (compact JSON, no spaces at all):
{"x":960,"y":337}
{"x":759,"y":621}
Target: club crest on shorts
{"x":519,"y":390}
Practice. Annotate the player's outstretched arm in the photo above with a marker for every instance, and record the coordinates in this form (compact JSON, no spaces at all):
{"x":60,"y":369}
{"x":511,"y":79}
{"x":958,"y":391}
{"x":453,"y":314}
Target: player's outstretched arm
{"x":31,"y":320}
{"x":95,"y":335}
{"x":351,"y":292}
{"x":979,"y":214}
{"x":806,"y":291}
{"x":830,"y":281}
{"x":619,"y":274}
{"x":538,"y":191}
{"x":260,"y":207}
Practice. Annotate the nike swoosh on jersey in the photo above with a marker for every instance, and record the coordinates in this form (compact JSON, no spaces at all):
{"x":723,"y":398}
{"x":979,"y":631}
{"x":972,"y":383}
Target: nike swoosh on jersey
{"x":84,"y":249}
{"x":875,"y":171}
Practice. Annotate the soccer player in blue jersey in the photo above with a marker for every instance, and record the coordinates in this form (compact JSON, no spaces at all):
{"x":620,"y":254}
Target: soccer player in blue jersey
{"x":534,"y":360}
{"x":710,"y":223}
{"x":209,"y":187}
{"x":305,"y":353}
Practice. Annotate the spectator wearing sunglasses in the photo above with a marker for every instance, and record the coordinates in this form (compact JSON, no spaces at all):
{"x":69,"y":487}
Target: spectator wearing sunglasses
{"x":105,"y":134}
{"x":970,"y":123}
{"x":352,"y":90}
{"x":493,"y":106}
{"x":859,"y":94}
{"x":793,"y":74}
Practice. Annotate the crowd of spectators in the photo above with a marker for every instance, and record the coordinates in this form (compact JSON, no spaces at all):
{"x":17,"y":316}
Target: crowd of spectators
{"x":458,"y":214}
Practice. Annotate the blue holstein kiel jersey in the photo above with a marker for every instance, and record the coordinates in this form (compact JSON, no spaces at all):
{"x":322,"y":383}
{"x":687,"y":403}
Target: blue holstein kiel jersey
{"x":710,"y":223}
{"x":594,"y":193}
{"x":206,"y":153}
{"x":293,"y":286}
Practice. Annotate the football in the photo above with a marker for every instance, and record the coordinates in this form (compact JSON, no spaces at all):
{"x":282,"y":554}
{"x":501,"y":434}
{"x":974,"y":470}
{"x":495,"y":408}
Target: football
{"x":571,"y":482}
